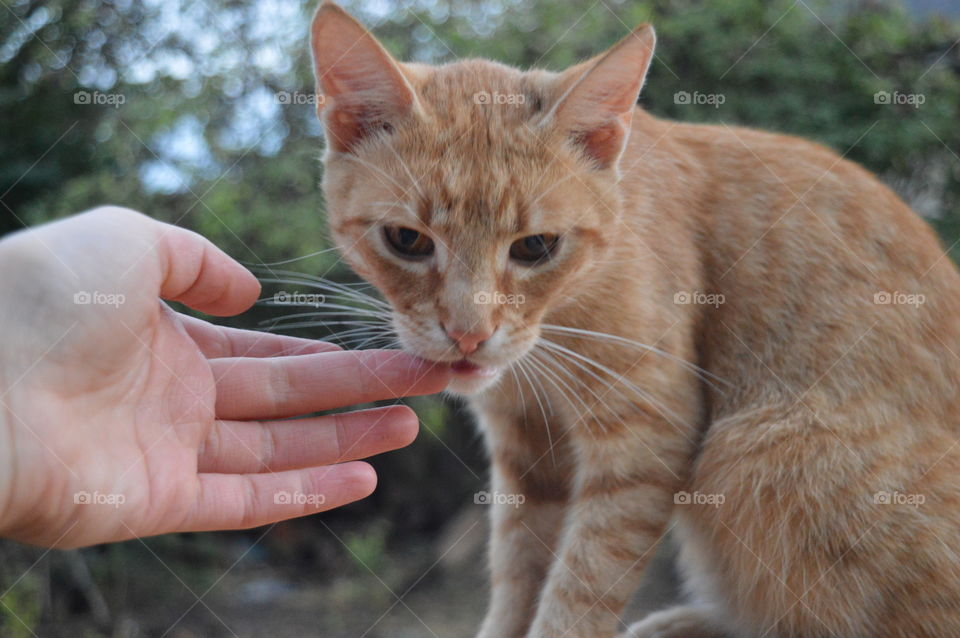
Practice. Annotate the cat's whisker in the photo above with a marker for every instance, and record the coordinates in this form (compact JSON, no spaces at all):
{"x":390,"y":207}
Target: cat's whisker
{"x":540,"y":367}
{"x":355,"y":334}
{"x":572,"y":358}
{"x":523,"y":400}
{"x":309,"y":324}
{"x":286,"y":261}
{"x":334,"y":313}
{"x":543,"y":413}
{"x":543,"y":390}
{"x":557,"y":381}
{"x":706,"y":375}
{"x":347,"y":293}
{"x":587,"y":409}
{"x":345,"y":325}
{"x":359,"y":320}
{"x":347,"y":287}
{"x":387,"y":333}
{"x":328,"y":308}
{"x":359,"y":335}
{"x":328,"y":314}
{"x":664,"y":411}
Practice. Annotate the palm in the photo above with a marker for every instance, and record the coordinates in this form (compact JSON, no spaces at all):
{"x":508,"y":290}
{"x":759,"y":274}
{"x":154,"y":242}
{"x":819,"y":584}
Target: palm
{"x":128,"y":419}
{"x":154,"y":412}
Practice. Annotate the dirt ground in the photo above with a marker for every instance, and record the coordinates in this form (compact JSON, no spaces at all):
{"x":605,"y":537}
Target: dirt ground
{"x":437,"y":591}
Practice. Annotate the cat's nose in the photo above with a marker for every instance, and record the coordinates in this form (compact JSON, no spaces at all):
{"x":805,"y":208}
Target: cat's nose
{"x":468,"y":341}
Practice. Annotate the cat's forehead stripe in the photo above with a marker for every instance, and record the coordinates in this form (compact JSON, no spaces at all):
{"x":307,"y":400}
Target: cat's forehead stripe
{"x":497,"y":209}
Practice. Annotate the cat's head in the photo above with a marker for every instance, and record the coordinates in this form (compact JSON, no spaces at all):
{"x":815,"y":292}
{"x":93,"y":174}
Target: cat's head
{"x":476,"y":197}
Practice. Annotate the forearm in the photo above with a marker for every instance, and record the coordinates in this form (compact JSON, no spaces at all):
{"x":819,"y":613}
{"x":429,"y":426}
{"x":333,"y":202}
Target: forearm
{"x":20,"y":265}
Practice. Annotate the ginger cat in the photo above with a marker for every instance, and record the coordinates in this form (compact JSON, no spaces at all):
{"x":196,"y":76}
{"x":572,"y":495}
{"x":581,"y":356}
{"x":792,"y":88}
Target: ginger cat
{"x":734,"y":335}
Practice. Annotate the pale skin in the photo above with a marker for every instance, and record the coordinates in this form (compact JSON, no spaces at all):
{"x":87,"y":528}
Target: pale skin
{"x":121,"y":418}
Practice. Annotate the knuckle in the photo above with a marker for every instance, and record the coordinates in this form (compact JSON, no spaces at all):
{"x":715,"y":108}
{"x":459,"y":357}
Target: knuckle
{"x":268,"y":449}
{"x":340,"y":427}
{"x":278,"y":384}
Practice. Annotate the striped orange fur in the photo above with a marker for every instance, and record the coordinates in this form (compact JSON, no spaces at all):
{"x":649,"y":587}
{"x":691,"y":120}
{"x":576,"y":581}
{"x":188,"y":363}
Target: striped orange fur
{"x":731,"y":334}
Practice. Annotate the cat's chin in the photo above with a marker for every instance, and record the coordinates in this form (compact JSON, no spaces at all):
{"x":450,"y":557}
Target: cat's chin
{"x":466,"y":384}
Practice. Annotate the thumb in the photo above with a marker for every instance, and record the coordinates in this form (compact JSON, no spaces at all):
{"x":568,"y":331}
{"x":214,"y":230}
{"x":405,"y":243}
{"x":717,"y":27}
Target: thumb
{"x":200,"y":275}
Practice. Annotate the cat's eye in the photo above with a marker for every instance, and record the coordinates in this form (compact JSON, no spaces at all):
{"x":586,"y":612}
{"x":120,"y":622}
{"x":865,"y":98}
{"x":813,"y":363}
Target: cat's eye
{"x":534,"y":249}
{"x":407,"y":242}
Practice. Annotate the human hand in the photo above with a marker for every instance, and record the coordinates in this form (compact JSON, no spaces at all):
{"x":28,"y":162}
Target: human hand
{"x":122,"y":418}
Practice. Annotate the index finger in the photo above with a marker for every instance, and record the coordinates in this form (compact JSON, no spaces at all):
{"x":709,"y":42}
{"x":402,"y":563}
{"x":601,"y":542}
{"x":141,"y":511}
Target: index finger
{"x":288,"y":386}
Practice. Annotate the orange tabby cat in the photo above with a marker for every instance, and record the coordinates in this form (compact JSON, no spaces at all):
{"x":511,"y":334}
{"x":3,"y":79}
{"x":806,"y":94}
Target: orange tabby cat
{"x":732,"y":334}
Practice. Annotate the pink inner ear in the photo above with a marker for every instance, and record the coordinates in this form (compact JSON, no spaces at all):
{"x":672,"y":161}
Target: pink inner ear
{"x":349,"y":125}
{"x":363,"y":87}
{"x":344,"y":129}
{"x":603,"y":143}
{"x":598,"y":108}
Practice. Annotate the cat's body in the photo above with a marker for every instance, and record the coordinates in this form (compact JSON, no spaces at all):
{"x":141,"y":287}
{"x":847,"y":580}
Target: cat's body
{"x":812,"y":471}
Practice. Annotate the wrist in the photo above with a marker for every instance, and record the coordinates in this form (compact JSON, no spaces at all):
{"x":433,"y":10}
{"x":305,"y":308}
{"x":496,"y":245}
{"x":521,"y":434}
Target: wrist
{"x":30,"y":285}
{"x":8,"y":463}
{"x":29,"y":491}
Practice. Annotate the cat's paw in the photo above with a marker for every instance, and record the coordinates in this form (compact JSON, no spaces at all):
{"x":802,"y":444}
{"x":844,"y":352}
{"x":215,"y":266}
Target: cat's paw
{"x":688,"y":621}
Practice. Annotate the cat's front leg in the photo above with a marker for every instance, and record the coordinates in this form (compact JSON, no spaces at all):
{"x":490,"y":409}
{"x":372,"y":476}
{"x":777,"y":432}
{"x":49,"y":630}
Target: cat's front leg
{"x":621,"y":503}
{"x":528,"y":502}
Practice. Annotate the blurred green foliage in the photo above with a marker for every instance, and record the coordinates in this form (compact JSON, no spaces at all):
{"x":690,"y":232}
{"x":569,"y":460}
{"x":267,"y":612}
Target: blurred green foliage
{"x":20,"y":608}
{"x":204,"y":139}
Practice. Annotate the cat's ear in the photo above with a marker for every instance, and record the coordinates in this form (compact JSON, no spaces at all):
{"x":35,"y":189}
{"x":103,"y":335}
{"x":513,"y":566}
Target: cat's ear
{"x":362,"y":88}
{"x":599,"y":96}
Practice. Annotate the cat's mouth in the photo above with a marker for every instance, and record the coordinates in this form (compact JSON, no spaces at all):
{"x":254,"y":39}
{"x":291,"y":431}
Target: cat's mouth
{"x":467,"y":368}
{"x":470,"y":378}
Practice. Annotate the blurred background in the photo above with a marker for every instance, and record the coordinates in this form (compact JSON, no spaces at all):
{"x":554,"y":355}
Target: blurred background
{"x":199,"y":113}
